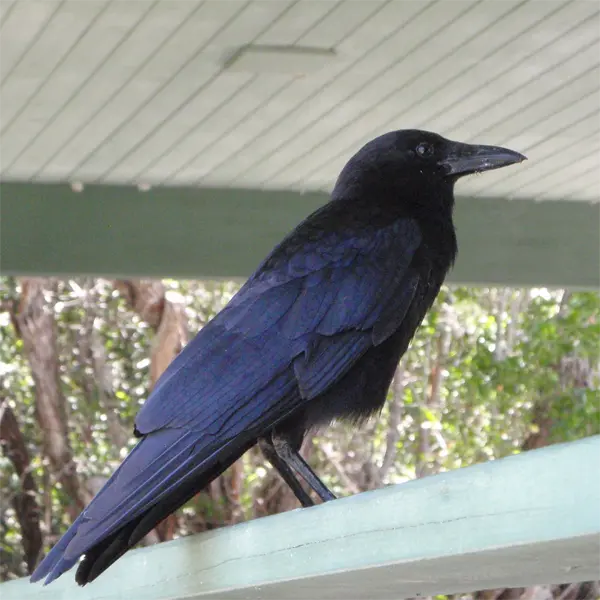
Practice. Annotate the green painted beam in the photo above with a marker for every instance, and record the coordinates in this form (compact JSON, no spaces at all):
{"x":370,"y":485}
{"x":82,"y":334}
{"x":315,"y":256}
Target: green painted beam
{"x":47,"y":229}
{"x":528,"y":519}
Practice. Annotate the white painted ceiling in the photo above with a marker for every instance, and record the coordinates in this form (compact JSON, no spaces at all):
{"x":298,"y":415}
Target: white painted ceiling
{"x":134,"y":91}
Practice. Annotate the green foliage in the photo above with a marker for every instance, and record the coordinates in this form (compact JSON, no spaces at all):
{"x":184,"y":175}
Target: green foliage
{"x":481,"y":370}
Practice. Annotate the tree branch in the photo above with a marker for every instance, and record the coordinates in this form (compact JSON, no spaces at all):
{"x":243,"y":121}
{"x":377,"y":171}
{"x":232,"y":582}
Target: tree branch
{"x":24,"y":501}
{"x":37,"y":330}
{"x":393,"y":432}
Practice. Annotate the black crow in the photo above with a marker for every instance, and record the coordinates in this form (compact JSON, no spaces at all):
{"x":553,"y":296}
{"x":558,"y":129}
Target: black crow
{"x":314,"y":335}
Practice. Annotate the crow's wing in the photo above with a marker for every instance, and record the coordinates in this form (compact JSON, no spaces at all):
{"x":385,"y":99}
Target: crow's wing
{"x":295,"y":328}
{"x":338,"y":294}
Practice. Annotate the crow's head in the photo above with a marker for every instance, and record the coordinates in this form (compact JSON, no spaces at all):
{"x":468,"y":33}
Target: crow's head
{"x":421,"y":155}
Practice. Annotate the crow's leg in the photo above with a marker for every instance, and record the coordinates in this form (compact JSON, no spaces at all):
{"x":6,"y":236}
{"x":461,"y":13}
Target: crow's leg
{"x":287,"y":474}
{"x":287,"y":451}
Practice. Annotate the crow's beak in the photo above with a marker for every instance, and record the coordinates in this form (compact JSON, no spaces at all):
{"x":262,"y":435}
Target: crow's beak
{"x":463,"y":159}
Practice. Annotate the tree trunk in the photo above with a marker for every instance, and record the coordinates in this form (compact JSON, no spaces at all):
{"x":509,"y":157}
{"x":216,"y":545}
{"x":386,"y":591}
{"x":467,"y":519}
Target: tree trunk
{"x":36,"y":326}
{"x":97,"y":381}
{"x":118,"y":434}
{"x":431,"y":401}
{"x":24,"y":501}
{"x":393,"y":432}
{"x":149,"y":300}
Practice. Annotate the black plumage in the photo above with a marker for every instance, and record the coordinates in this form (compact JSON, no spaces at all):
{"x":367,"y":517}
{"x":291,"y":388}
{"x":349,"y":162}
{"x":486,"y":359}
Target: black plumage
{"x":314,"y":335}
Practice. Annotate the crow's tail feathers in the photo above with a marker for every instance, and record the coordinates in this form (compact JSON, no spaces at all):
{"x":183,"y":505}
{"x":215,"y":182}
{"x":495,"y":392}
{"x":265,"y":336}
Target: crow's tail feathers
{"x":163,"y":471}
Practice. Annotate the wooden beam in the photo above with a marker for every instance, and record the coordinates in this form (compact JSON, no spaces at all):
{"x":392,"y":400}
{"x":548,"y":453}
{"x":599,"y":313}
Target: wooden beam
{"x":528,"y":519}
{"x":47,"y":229}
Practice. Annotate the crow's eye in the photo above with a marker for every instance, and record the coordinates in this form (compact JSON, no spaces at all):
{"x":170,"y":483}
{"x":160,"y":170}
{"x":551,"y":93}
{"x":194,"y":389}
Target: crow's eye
{"x":424,"y":149}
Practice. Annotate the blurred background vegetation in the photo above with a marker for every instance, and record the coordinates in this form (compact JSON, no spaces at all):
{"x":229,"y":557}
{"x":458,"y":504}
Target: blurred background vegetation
{"x":492,"y":372}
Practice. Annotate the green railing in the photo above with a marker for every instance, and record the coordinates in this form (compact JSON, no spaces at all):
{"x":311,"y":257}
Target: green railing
{"x":528,"y":519}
